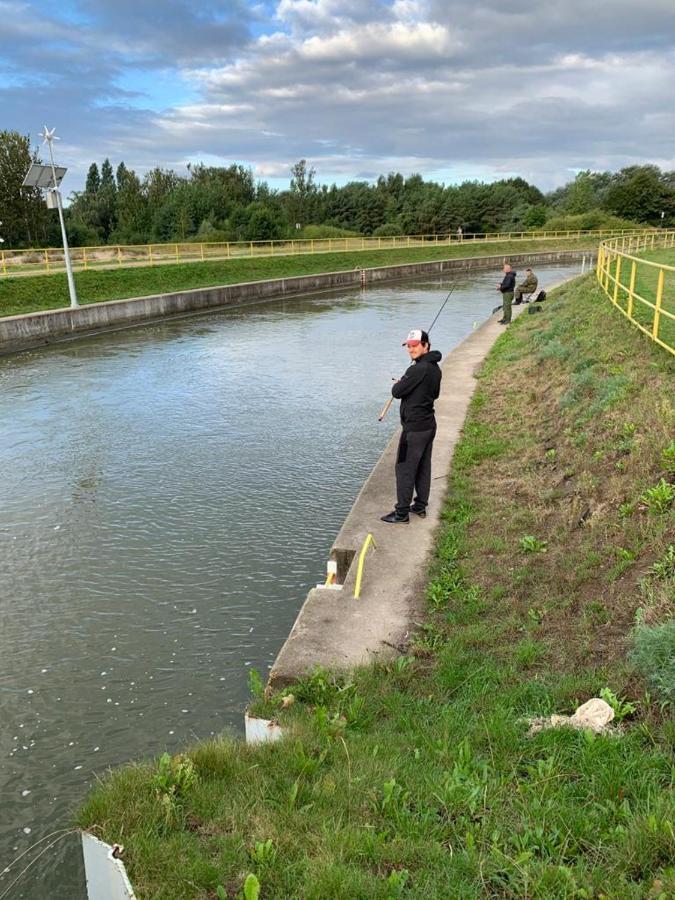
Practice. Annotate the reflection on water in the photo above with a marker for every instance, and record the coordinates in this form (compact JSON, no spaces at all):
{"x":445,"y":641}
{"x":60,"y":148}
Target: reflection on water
{"x":169,"y":493}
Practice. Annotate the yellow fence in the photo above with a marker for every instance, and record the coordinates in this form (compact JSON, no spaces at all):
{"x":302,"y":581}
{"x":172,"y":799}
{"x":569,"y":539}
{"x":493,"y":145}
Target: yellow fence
{"x":633,"y":272}
{"x":50,"y":259}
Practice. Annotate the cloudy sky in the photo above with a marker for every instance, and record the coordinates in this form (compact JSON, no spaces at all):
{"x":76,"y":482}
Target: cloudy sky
{"x":453,"y":89}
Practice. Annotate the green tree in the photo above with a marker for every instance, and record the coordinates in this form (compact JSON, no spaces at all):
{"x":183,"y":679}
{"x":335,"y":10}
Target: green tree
{"x":300,"y":206}
{"x":121,"y":175}
{"x":639,"y":194}
{"x":131,"y":209}
{"x":107,"y":177}
{"x":263,"y":223}
{"x":93,"y":182}
{"x":22,"y":210}
{"x":580,"y":196}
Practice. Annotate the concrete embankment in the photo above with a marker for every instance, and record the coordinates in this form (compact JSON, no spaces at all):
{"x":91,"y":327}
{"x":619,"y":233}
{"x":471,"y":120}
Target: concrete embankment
{"x":333,"y":629}
{"x":35,"y":329}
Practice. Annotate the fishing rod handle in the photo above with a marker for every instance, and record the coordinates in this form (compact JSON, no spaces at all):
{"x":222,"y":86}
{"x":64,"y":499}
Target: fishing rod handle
{"x":385,"y":409}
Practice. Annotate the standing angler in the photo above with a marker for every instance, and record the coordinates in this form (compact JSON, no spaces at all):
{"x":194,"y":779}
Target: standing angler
{"x":507,"y":286}
{"x":417,"y":390}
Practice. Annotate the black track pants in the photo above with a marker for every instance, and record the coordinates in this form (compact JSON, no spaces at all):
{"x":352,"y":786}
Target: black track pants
{"x":413,"y":469}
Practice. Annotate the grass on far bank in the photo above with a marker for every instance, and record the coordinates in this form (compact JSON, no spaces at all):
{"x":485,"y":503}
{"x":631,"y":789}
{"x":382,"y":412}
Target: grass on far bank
{"x":31,"y":294}
{"x":416,"y":777}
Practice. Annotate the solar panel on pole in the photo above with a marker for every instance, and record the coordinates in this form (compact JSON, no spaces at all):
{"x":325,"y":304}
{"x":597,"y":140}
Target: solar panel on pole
{"x":39,"y":176}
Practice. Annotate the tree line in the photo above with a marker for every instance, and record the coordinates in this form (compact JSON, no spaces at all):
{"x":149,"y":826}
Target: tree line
{"x":210,"y":203}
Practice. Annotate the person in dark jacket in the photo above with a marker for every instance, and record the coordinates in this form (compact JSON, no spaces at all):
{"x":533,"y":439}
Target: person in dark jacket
{"x":507,"y":286}
{"x":416,"y":389}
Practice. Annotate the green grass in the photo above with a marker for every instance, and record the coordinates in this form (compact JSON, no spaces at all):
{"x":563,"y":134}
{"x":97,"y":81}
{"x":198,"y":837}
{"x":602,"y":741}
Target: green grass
{"x":31,"y":294}
{"x":416,"y":777}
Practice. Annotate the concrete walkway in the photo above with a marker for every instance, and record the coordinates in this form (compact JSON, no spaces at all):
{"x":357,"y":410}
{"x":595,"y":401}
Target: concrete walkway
{"x":335,"y":630}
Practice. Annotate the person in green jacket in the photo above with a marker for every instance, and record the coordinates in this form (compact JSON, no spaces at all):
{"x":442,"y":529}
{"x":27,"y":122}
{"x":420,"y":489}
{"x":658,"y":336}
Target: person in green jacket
{"x":528,"y":286}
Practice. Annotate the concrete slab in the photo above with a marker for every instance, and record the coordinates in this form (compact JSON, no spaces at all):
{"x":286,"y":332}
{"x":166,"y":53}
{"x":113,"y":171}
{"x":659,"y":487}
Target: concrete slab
{"x":337,"y":631}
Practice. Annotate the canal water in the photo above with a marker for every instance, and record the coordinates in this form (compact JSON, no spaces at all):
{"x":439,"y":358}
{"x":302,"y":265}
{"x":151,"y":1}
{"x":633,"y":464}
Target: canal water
{"x":169,"y":493}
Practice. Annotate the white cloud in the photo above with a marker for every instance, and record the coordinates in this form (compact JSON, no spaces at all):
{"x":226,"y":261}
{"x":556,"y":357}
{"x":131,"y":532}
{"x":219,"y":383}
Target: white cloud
{"x":375,"y":41}
{"x":365,"y":86}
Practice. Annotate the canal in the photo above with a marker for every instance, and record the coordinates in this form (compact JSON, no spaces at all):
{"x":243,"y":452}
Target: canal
{"x":169,"y":493}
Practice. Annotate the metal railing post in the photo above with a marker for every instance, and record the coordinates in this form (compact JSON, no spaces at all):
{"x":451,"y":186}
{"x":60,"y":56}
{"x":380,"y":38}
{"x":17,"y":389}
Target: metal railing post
{"x":631,"y":290}
{"x":659,"y":301}
{"x":617,"y":276}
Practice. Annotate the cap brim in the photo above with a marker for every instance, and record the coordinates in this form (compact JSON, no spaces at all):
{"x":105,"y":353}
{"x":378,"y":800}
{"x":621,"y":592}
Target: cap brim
{"x":411,"y":343}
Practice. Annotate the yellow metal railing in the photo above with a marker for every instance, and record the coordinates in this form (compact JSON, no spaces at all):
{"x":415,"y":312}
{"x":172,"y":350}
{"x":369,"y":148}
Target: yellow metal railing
{"x":50,"y":259}
{"x":643,"y":289}
{"x":362,"y":559}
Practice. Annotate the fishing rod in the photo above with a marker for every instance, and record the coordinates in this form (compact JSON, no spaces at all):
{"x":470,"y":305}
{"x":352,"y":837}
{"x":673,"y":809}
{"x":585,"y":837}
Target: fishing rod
{"x":385,"y":409}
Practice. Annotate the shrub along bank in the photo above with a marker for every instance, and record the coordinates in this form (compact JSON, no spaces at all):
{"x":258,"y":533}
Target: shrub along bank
{"x":417,"y":777}
{"x":26,"y":294}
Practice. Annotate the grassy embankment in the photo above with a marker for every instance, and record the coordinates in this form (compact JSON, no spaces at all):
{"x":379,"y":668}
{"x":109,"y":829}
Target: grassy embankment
{"x":25,"y":295}
{"x":417,"y":777}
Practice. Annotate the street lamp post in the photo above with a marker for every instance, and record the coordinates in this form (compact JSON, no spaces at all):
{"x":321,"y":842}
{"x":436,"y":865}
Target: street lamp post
{"x":49,"y":137}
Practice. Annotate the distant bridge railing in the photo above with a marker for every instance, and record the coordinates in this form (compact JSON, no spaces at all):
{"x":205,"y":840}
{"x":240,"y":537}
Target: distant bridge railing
{"x":50,"y":259}
{"x":642,"y":288}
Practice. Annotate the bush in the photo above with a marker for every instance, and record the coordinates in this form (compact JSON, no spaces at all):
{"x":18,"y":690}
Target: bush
{"x":390,"y":229}
{"x":318,"y":232}
{"x":210,"y":233}
{"x":653,"y":655}
{"x":589,"y":221}
{"x":80,"y":235}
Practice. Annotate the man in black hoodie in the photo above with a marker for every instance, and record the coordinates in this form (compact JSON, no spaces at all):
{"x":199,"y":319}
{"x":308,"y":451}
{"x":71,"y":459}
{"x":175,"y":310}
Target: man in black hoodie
{"x":417,"y":390}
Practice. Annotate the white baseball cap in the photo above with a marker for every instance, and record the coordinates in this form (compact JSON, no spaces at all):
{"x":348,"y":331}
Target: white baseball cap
{"x":415,"y":337}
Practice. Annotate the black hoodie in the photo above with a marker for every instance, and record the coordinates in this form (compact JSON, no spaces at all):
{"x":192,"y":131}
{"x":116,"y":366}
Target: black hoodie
{"x":417,"y":389}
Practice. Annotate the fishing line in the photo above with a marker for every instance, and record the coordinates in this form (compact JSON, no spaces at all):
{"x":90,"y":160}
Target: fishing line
{"x":35,"y":859}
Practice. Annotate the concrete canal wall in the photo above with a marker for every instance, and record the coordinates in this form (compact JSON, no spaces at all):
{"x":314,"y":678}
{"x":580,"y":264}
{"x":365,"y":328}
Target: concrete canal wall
{"x":36,"y":329}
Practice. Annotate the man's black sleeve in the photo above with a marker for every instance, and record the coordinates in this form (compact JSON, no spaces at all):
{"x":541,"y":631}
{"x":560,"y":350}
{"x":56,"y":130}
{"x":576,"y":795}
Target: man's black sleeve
{"x":413,"y":376}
